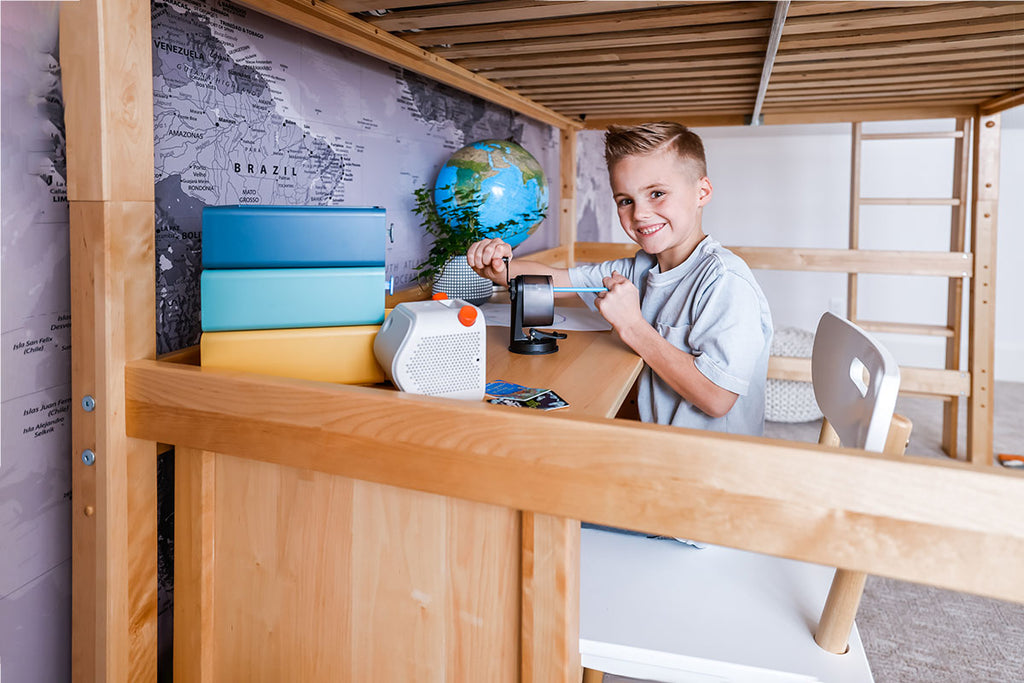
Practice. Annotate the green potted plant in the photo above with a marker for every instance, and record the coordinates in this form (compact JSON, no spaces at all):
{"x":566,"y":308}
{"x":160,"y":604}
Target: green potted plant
{"x":445,"y":267}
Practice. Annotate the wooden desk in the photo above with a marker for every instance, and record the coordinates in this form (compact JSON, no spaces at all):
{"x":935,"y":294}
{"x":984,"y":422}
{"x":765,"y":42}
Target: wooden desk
{"x":593,"y":371}
{"x":288,"y":572}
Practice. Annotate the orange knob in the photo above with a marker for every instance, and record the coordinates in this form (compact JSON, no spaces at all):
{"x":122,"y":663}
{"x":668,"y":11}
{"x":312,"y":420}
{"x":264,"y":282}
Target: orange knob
{"x":467,"y":315}
{"x":439,"y":296}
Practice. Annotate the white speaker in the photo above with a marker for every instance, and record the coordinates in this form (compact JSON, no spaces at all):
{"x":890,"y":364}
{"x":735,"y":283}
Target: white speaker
{"x":436,"y":348}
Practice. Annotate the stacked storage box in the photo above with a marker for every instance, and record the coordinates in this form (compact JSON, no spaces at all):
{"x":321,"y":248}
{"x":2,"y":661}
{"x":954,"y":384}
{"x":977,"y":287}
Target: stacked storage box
{"x":294,"y":291}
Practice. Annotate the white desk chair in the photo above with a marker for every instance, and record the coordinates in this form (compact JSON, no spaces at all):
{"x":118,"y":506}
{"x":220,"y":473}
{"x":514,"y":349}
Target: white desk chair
{"x":659,"y":610}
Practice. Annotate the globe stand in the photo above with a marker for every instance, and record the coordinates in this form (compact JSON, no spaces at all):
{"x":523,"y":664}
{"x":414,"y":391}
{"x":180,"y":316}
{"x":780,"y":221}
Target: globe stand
{"x":532,"y":303}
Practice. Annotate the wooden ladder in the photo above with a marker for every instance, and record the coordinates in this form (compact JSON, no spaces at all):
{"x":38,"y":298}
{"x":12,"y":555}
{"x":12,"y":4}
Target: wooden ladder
{"x":952,"y":330}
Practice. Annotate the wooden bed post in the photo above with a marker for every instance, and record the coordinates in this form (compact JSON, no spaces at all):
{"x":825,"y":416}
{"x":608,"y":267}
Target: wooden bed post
{"x":106,"y":59}
{"x":983,"y":288}
{"x":567,"y":175}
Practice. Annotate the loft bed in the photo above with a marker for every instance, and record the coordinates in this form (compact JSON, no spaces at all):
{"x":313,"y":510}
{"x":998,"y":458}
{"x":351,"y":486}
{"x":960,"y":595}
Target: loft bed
{"x":572,"y":65}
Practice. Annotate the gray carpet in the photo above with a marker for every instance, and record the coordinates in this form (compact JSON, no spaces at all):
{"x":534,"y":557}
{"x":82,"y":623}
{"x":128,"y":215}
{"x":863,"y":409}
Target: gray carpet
{"x":919,"y":634}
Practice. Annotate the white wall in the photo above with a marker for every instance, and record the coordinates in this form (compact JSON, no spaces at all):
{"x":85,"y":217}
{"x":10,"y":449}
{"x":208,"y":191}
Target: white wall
{"x":789,"y":186}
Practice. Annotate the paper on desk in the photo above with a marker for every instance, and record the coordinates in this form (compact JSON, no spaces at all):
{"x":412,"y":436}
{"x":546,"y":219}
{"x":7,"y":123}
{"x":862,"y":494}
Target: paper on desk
{"x":566,"y":318}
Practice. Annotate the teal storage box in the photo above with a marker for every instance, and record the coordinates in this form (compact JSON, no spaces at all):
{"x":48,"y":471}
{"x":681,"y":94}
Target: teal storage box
{"x":261,"y":236}
{"x":275,"y":298}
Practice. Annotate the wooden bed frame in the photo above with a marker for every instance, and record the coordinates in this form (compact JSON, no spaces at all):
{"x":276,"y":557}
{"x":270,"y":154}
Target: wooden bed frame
{"x":247,"y":445}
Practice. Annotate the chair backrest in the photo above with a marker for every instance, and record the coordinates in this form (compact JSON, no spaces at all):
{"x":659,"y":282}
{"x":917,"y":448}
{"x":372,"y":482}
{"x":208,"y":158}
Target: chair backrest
{"x":856,"y":381}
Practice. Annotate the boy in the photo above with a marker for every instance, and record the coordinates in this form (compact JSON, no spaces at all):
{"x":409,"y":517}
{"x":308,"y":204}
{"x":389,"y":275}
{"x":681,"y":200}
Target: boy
{"x":689,"y":307}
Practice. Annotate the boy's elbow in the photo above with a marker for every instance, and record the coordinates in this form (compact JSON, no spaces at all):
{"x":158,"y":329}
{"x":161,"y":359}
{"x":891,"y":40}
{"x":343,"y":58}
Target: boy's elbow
{"x":719,"y":405}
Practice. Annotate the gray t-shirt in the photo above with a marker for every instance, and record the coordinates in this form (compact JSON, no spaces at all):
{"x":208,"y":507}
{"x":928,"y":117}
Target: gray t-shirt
{"x":709,"y":306}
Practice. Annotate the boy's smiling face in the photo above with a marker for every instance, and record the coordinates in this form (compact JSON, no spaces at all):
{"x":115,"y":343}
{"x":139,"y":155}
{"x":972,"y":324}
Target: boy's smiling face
{"x":660,"y":201}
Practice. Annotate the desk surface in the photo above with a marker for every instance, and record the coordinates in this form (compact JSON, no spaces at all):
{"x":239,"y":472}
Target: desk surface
{"x":593,"y":371}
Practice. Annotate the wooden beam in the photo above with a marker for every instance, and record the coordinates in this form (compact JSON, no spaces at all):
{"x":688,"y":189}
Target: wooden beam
{"x":1002,"y":102}
{"x":895,"y":36}
{"x":955,"y":288}
{"x":567,"y":179}
{"x":815,"y":114}
{"x":870,"y":19}
{"x":913,"y":380}
{"x":114,"y":525}
{"x":981,"y":348}
{"x":519,"y":67}
{"x":938,"y":522}
{"x":853,"y":241}
{"x":943,"y":264}
{"x":954,"y":47}
{"x":860,"y":112}
{"x":694,"y":19}
{"x":331,"y":23}
{"x":108,"y":97}
{"x":608,"y":41}
{"x":713,"y":58}
{"x":482,"y":14}
{"x":778,"y":22}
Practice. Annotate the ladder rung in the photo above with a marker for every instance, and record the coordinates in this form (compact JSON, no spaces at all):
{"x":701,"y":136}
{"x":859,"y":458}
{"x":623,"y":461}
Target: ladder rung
{"x":913,"y":136}
{"x":909,"y":201}
{"x":906,"y":328}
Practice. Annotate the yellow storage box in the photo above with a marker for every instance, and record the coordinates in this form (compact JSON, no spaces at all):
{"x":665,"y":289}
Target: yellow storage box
{"x":326,"y":354}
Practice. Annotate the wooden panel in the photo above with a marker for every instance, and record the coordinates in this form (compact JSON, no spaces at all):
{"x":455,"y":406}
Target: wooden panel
{"x":114,"y":598}
{"x":283,"y":583}
{"x":194,"y":517}
{"x":108,"y":94}
{"x":981,"y":351}
{"x":944,"y":523}
{"x":550,"y":599}
{"x":482,"y":569}
{"x":359,"y":582}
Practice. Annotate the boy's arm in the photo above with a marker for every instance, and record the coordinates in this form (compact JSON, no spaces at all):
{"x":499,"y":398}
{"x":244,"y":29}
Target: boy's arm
{"x":678,"y":369}
{"x":620,"y":306}
{"x":486,"y":258}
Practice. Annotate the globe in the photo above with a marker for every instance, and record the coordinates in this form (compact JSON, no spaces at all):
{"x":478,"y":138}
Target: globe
{"x":508,"y":181}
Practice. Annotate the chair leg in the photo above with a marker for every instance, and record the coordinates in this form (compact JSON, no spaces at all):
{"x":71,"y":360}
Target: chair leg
{"x":833,"y":634}
{"x":837,"y":617}
{"x":592,"y":676}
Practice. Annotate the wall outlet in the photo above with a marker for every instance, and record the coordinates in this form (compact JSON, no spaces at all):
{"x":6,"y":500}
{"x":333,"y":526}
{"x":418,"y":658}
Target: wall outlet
{"x":837,"y":306}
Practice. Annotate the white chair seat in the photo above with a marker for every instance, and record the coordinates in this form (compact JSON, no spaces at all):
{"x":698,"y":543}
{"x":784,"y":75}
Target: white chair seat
{"x":639,"y":619}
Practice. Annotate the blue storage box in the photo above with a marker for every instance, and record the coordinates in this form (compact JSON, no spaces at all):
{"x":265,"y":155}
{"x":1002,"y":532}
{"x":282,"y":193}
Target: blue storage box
{"x":275,"y":298}
{"x":261,"y":236}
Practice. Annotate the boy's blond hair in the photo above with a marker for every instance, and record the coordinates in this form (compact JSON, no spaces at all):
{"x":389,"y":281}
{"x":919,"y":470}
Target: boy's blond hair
{"x":626,"y":141}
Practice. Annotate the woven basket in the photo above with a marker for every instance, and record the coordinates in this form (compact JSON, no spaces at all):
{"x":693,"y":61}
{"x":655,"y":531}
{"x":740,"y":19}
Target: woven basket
{"x":789,"y":400}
